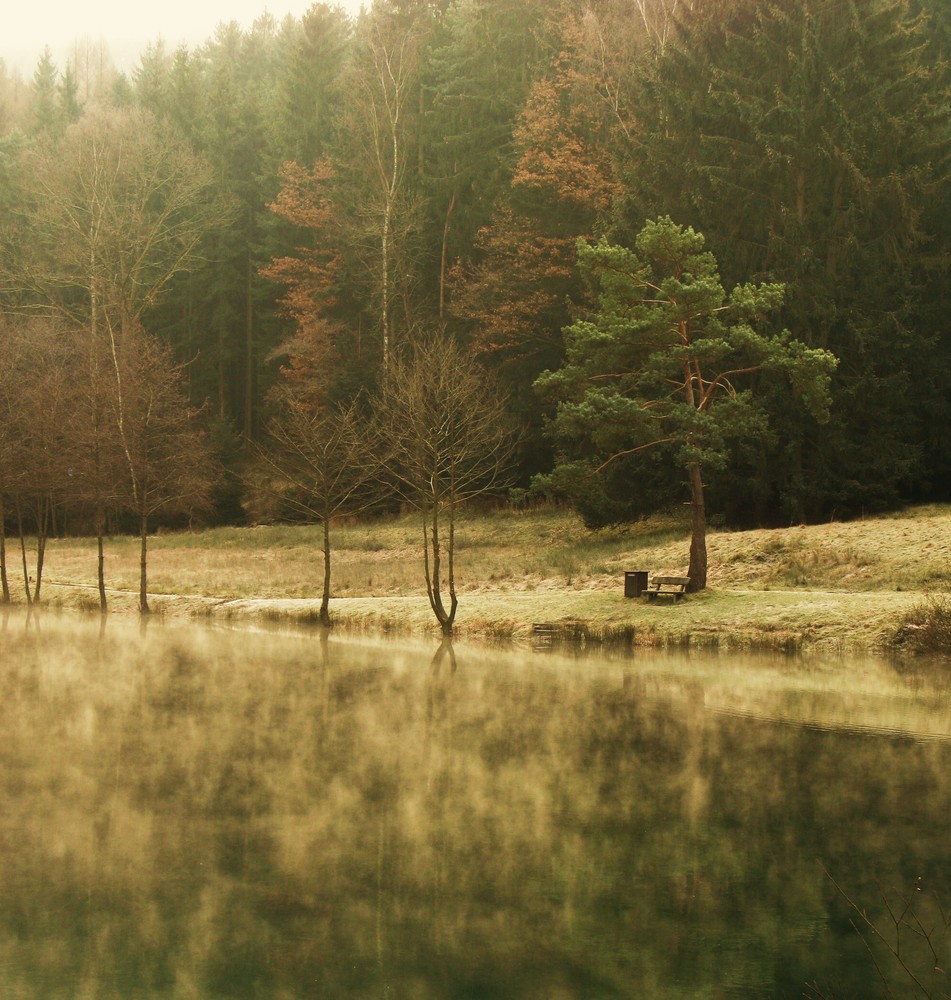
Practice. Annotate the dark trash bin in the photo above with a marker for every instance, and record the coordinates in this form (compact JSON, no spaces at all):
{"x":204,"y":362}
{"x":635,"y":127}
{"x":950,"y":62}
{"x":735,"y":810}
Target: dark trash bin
{"x":635,"y":583}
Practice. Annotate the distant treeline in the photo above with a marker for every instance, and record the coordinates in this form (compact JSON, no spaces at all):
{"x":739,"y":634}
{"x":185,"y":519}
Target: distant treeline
{"x":299,"y":202}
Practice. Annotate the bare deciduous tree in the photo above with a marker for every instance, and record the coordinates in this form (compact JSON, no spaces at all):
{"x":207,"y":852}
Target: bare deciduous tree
{"x":320,"y":462}
{"x":39,"y":405}
{"x":448,"y":440}
{"x":111,"y":210}
{"x":385,"y":84}
{"x":169,"y":463}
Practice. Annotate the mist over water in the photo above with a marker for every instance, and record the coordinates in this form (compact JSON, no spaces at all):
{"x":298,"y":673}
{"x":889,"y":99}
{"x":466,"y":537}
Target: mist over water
{"x":197,"y":813}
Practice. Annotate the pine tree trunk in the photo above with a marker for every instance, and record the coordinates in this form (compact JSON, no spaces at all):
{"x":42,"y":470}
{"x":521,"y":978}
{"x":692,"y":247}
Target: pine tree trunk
{"x":698,"y":539}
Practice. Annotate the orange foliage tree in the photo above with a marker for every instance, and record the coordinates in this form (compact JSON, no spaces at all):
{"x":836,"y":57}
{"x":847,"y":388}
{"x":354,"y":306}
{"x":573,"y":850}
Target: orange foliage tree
{"x":309,"y":278}
{"x":515,"y":292}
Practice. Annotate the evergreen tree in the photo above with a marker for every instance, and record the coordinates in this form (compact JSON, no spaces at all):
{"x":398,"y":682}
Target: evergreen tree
{"x":45,"y":111}
{"x":70,"y":107}
{"x":308,"y":84}
{"x":764,"y":126}
{"x":514,"y":291}
{"x":661,"y":361}
{"x":222,"y":316}
{"x":479,"y":74}
{"x":187,"y":100}
{"x":150,"y":80}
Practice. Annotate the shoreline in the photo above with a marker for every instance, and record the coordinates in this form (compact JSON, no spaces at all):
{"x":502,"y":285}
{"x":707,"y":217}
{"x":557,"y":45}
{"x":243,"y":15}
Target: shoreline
{"x":868,"y":584}
{"x":758,"y":620}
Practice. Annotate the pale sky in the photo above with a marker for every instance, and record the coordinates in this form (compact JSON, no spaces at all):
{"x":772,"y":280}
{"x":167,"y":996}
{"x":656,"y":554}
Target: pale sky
{"x":126,"y":26}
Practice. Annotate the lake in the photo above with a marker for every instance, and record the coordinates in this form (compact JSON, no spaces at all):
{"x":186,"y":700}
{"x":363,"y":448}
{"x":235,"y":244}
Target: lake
{"x":193,"y":812}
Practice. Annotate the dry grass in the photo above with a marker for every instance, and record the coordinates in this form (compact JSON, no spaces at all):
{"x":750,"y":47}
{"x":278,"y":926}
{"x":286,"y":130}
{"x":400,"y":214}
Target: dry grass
{"x":926,"y":626}
{"x":847,"y":583}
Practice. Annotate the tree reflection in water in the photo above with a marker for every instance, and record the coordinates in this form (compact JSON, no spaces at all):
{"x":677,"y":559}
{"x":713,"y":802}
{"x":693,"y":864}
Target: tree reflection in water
{"x":197,"y":813}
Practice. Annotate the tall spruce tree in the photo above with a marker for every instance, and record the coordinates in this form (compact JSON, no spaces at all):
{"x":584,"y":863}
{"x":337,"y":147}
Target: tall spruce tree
{"x":480,"y":72}
{"x":764,"y":125}
{"x":45,"y":103}
{"x":308,"y":81}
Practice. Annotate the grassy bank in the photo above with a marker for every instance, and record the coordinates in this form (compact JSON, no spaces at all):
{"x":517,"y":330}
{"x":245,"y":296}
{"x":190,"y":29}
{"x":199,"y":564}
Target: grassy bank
{"x":842,"y":584}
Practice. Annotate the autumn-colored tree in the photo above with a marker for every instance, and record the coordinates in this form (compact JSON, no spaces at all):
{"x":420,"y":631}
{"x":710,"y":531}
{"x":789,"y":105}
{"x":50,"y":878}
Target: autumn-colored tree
{"x":479,"y":73}
{"x":112,"y":210}
{"x":310,"y":277}
{"x":472,"y":142}
{"x":514,"y":291}
{"x":568,"y":131}
{"x":99,"y":462}
{"x":564,"y":184}
{"x":513,"y":294}
{"x":40,"y":406}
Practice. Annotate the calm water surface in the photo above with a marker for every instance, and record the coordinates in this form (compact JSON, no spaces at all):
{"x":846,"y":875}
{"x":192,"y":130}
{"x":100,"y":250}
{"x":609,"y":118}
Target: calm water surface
{"x":191,"y":813}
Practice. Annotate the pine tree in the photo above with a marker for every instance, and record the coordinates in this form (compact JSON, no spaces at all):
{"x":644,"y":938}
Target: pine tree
{"x":661,"y":362}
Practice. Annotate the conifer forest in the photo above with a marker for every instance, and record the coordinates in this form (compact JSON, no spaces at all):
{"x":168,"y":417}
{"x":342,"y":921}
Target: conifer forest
{"x":213,"y":255}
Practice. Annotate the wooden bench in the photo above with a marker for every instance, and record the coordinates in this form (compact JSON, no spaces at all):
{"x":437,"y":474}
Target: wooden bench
{"x":667,"y":586}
